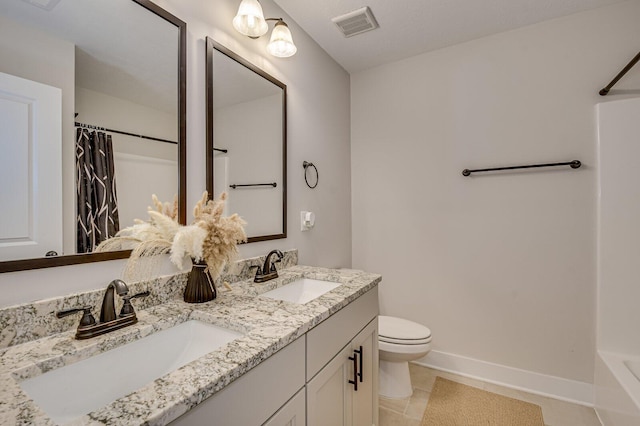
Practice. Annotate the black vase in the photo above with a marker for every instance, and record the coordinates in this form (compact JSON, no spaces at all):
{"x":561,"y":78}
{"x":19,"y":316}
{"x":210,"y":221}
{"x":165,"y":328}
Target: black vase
{"x":200,"y":287}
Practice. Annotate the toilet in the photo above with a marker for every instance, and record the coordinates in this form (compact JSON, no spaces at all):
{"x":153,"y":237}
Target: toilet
{"x":399,"y":341}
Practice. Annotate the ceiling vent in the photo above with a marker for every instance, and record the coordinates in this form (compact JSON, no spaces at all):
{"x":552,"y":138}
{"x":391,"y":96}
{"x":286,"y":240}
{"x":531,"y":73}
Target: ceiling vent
{"x":356,"y":22}
{"x":43,"y":4}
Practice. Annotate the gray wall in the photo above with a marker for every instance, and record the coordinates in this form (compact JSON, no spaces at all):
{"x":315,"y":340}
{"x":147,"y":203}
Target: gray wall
{"x":501,"y":268}
{"x":318,"y":131}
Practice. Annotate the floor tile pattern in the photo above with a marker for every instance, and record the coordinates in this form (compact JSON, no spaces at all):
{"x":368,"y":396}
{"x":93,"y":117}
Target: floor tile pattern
{"x":409,"y":411}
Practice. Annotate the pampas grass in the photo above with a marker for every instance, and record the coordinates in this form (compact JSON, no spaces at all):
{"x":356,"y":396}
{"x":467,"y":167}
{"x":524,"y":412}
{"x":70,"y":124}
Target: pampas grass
{"x":212,"y":238}
{"x":222,"y":233}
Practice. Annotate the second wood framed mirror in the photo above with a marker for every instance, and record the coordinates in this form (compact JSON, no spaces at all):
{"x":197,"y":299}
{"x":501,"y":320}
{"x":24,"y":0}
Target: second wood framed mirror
{"x":247,"y":142}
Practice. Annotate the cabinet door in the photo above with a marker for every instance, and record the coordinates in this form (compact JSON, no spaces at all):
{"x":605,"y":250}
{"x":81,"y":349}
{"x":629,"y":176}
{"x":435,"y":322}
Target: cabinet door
{"x":329,"y":392}
{"x":292,"y":414}
{"x":365,"y":399}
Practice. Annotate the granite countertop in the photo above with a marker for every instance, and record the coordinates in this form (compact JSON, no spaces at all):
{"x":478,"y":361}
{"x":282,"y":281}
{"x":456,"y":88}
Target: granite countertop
{"x":269,"y":325}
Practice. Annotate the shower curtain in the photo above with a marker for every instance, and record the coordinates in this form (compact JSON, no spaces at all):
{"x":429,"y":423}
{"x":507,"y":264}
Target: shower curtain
{"x":97,"y":206}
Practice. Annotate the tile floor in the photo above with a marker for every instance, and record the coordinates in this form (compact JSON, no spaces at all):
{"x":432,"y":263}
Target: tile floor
{"x":409,"y":411}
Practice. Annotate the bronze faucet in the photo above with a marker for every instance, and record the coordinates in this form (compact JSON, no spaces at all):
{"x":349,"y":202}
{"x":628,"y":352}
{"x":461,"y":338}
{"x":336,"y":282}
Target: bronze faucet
{"x":108,"y":321}
{"x":268,"y":270}
{"x":108,"y":311}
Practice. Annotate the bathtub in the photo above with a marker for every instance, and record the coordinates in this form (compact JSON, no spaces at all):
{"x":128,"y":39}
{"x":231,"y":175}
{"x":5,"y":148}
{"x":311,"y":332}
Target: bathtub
{"x":617,"y":387}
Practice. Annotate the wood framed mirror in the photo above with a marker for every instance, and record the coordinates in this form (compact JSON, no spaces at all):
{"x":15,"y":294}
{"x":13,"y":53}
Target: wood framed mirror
{"x":105,"y":70}
{"x":247,"y":142}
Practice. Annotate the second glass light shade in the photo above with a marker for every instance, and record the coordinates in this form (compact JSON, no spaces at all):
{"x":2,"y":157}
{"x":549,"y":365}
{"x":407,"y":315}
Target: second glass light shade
{"x":281,"y":43}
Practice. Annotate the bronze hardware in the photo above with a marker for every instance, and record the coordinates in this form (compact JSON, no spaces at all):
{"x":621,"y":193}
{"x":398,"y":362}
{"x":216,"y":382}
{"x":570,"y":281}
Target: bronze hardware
{"x":108,"y":311}
{"x":108,"y":321}
{"x":359,"y":352}
{"x":103,"y":328}
{"x":575,"y":164}
{"x":87,"y":318}
{"x":630,"y":65}
{"x":268,"y":270}
{"x":354,"y":382}
{"x":127,"y":307}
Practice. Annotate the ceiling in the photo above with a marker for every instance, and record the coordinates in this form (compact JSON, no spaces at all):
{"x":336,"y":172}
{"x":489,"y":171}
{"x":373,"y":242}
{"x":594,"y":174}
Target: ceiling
{"x":411,"y":27}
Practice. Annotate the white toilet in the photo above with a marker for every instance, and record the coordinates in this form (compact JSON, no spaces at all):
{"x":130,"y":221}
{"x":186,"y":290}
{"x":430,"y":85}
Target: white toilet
{"x":400,"y":341}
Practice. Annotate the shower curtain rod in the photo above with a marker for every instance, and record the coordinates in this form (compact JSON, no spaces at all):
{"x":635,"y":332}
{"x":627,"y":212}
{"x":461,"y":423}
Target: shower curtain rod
{"x":630,"y":65}
{"x":90,"y":126}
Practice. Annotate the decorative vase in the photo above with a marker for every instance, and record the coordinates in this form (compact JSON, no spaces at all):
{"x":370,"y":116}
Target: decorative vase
{"x":200,"y":287}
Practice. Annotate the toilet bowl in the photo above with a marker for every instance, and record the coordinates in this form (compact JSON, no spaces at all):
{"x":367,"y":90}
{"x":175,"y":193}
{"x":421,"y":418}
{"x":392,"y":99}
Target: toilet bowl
{"x":399,"y":341}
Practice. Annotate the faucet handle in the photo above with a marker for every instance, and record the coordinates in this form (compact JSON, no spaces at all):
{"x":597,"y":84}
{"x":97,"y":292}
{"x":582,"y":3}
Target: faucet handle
{"x":87,"y":318}
{"x":127,"y":307}
{"x":273,"y":262}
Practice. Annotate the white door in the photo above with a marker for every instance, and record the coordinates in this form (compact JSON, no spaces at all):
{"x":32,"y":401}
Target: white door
{"x":329,"y":393}
{"x":30,"y":168}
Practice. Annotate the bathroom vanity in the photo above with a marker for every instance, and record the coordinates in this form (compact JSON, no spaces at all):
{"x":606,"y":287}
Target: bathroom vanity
{"x":284,"y":361}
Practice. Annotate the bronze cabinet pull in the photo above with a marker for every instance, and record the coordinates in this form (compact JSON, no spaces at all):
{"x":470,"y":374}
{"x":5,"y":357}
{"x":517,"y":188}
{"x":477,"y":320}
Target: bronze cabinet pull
{"x":359,"y":352}
{"x":354,"y":382}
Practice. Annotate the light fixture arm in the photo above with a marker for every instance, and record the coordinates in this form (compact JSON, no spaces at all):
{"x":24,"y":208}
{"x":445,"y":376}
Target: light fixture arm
{"x":267,"y":19}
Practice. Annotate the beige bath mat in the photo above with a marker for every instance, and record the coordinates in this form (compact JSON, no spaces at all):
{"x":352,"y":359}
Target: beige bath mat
{"x":455,"y":404}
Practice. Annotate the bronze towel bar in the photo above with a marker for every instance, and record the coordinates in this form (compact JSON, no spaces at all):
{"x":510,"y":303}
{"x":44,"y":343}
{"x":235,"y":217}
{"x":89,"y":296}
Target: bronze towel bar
{"x":574,"y":165}
{"x":234,"y":186}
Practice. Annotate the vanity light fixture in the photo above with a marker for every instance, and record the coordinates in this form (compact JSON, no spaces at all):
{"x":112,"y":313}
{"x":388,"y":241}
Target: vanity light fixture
{"x":250,"y":21}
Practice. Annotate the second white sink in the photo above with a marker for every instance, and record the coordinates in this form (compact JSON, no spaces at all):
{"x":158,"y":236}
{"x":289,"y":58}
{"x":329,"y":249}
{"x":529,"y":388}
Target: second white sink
{"x":75,"y":390}
{"x":301,"y":291}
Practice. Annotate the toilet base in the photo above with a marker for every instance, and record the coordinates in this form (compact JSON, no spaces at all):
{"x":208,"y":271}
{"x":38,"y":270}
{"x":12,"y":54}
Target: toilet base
{"x":395,"y":381}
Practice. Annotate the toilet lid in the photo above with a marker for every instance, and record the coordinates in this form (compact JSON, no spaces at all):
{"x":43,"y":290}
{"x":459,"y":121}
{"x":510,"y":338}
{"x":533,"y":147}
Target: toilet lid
{"x":402,"y":331}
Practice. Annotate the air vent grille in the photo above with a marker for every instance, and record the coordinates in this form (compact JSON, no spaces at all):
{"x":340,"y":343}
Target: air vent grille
{"x":356,"y":22}
{"x":44,"y":4}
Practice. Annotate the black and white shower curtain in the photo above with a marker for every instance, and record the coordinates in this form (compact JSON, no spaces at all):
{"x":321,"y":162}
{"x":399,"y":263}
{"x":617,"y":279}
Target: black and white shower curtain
{"x":97,"y":206}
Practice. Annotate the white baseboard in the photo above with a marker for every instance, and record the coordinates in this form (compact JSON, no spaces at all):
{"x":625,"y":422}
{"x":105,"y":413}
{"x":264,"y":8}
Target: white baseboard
{"x":528,"y":381}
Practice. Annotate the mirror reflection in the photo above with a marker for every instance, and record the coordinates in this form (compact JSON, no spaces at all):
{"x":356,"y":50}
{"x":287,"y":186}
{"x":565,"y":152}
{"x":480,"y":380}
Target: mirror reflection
{"x":247,"y":142}
{"x":89,"y":121}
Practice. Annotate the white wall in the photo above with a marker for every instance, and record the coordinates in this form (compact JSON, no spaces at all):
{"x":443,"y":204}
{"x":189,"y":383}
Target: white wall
{"x":500,"y":267}
{"x":318,"y":124}
{"x":318,"y":131}
{"x":108,"y":111}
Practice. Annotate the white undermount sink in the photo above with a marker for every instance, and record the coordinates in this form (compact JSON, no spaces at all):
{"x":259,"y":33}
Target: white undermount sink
{"x":301,"y":291}
{"x":72,"y":391}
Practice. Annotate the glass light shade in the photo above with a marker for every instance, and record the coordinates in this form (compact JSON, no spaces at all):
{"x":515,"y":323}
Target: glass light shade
{"x":281,"y":43}
{"x":250,"y":20}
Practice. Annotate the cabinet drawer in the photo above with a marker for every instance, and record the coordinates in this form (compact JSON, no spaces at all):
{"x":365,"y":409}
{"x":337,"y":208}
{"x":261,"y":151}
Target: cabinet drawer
{"x":331,"y":335}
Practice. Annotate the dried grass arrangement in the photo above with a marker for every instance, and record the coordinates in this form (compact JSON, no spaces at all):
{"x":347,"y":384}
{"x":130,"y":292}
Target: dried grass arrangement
{"x":211,"y":238}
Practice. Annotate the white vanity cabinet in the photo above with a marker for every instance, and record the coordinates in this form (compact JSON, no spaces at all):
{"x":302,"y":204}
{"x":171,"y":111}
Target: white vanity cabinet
{"x":333,"y":375}
{"x":308,"y":381}
{"x":253,"y":398}
{"x":345,"y":391}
